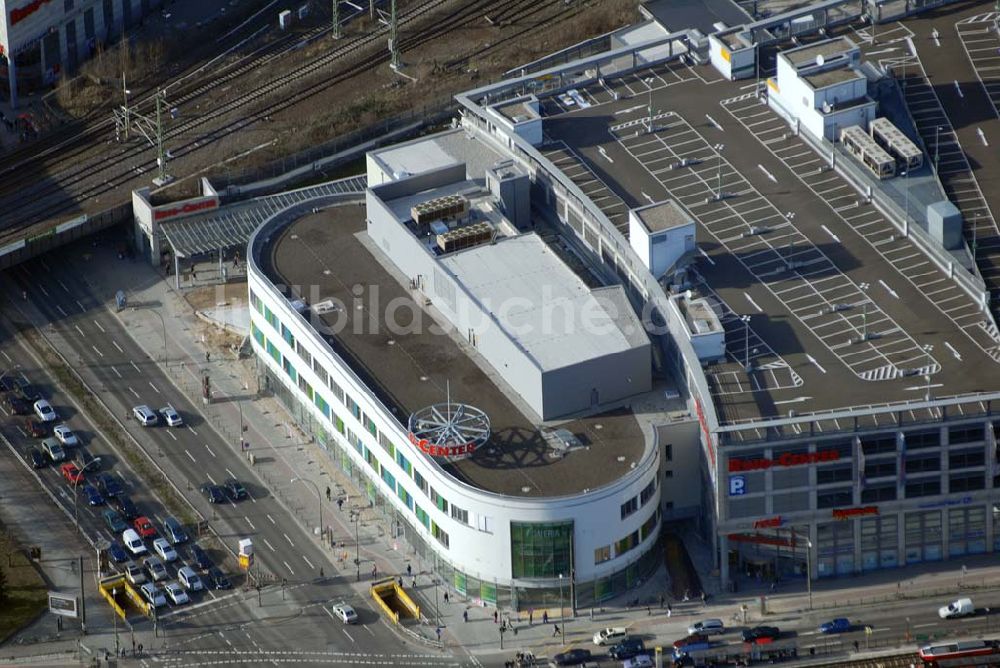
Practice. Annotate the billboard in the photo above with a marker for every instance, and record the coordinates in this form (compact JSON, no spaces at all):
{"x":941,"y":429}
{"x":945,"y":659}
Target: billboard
{"x":63,"y":604}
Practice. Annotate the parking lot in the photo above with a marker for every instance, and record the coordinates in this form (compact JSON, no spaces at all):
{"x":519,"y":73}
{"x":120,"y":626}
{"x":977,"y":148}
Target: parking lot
{"x":899,"y":252}
{"x":567,"y":161}
{"x":767,"y":243}
{"x":981,"y":41}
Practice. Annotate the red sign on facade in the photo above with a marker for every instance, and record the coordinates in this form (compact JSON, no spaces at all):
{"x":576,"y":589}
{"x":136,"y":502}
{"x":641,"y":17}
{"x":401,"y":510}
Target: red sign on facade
{"x":847,"y":513}
{"x":185,"y":209}
{"x":769,"y":523}
{"x":787,"y":459}
{"x":442,"y":450}
{"x":762,"y":540}
{"x":18,"y":14}
{"x":705,"y":431}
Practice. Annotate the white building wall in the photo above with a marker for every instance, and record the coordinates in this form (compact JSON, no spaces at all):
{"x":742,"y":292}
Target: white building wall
{"x":596,"y":515}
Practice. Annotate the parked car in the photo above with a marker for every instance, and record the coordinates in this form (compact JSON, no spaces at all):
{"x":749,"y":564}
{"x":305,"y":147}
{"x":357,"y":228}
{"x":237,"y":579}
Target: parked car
{"x":171,"y":416}
{"x":758,"y":633}
{"x":213,"y":493}
{"x":166,"y":551}
{"x":37,"y":459}
{"x":125,"y":506}
{"x":217,"y":579}
{"x":155,"y":569}
{"x":176,"y":593}
{"x":145,"y":415}
{"x":573,"y":657}
{"x":36,"y":429}
{"x":191,"y":580}
{"x":44,"y":411}
{"x":8,"y":383}
{"x":693,"y":639}
{"x":132,"y":542}
{"x":838,"y":625}
{"x":144,"y":527}
{"x":174,"y":530}
{"x":109,"y":485}
{"x":627,"y":648}
{"x":94,"y":497}
{"x":235,"y":489}
{"x":345,"y":613}
{"x":134,"y":573}
{"x":72,"y":473}
{"x":65,"y":435}
{"x":959,"y":608}
{"x":640,"y":661}
{"x":153,"y":595}
{"x":117,"y":553}
{"x":199,"y":557}
{"x":29,"y":392}
{"x":53,"y":449}
{"x":17,"y":405}
{"x":114,"y":521}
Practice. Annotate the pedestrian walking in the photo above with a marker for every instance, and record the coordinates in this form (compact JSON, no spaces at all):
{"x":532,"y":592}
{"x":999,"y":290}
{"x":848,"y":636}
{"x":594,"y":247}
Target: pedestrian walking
{"x":133,"y":646}
{"x":545,"y":617}
{"x":409,"y":569}
{"x":446,"y":597}
{"x":670,"y":611}
{"x":555,"y":630}
{"x":661,"y":601}
{"x":140,"y":649}
{"x":438,"y":631}
{"x":208,"y":356}
{"x":374,"y":571}
{"x":703,"y":598}
{"x":340,"y":504}
{"x":531,"y":617}
{"x":496,"y":616}
{"x":328,"y":493}
{"x":465,"y":616}
{"x":648,"y":611}
{"x":857,"y":646}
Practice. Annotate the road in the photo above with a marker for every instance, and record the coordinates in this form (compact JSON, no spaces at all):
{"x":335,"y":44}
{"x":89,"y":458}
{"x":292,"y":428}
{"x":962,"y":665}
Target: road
{"x":109,"y":361}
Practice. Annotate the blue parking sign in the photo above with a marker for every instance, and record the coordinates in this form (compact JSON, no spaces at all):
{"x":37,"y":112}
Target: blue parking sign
{"x":737,"y":485}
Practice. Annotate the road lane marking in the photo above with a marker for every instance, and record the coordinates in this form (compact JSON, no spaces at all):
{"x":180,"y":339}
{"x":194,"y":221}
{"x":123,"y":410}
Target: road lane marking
{"x":134,"y":366}
{"x":190,"y":456}
{"x":288,"y":567}
{"x":272,"y":519}
{"x":309,"y":562}
{"x":923,"y":626}
{"x":82,"y":309}
{"x":812,"y":360}
{"x":61,"y":311}
{"x":44,"y":291}
{"x":117,"y":373}
{"x":714,"y":122}
{"x":79,"y":330}
{"x":7,"y":356}
{"x":347,"y":634}
{"x":705,"y":255}
{"x":953,"y":351}
{"x":62,"y":285}
{"x":209,"y":450}
{"x":96,"y":350}
{"x":249,"y":522}
{"x":288,"y":539}
{"x":982,"y":136}
{"x":767,"y":173}
{"x":99,"y":327}
{"x":192,"y":430}
{"x":117,"y":347}
{"x":154,"y":387}
{"x":136,"y":394}
{"x":268,"y":543}
{"x":828,"y":231}
{"x":888,"y":289}
{"x":755,"y":305}
{"x":171,"y":435}
{"x":231,"y":474}
{"x":211,"y":480}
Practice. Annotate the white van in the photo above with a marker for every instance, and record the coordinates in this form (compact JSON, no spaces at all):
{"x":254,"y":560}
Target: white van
{"x":132,"y":542}
{"x":610,"y":636}
{"x":708,"y":627}
{"x":959,"y":608}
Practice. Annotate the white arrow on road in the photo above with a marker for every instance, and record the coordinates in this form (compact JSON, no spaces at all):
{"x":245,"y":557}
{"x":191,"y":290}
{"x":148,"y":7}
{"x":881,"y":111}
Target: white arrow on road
{"x":766,"y":173}
{"x":827,"y":230}
{"x":982,"y":136}
{"x":888,"y":289}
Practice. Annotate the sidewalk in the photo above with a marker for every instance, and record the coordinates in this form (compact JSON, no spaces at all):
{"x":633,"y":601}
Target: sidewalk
{"x":282,"y":452}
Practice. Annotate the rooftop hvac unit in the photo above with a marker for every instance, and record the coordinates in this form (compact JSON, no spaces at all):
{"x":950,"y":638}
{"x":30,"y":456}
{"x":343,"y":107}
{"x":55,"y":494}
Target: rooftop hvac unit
{"x":465,"y":237}
{"x":449,"y":206}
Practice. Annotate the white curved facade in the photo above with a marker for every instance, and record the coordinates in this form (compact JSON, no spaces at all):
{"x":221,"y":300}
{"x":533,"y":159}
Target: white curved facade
{"x":358,"y":429}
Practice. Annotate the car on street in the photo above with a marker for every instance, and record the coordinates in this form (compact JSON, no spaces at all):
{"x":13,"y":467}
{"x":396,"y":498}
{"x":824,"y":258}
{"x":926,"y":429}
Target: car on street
{"x":109,"y":485}
{"x":36,"y":429}
{"x":693,"y":639}
{"x":132,"y":542}
{"x":191,"y":580}
{"x":37,"y":459}
{"x":171,"y":416}
{"x":17,"y":405}
{"x":573,"y":657}
{"x":345,"y":613}
{"x":199,"y":557}
{"x":65,"y":435}
{"x":761,"y":633}
{"x":114,"y":521}
{"x":155,"y":569}
{"x":117,"y":553}
{"x":153,"y":595}
{"x":125,"y":506}
{"x":640,"y":661}
{"x":145,"y":415}
{"x":627,"y":648}
{"x":166,"y":551}
{"x":176,"y":593}
{"x":53,"y":449}
{"x":174,"y":530}
{"x":94,"y":497}
{"x":72,"y":473}
{"x":838,"y":625}
{"x":959,"y":608}
{"x":709,"y":627}
{"x":144,"y":527}
{"x":134,"y":573}
{"x":213,"y":493}
{"x":216,"y":579}
{"x":44,"y":411}
{"x":235,"y":489}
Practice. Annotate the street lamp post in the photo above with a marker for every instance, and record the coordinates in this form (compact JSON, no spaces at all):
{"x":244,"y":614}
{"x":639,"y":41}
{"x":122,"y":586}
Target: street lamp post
{"x":864,"y":311}
{"x":937,"y":133}
{"x":746,"y":342}
{"x":809,"y":576}
{"x":356,"y":517}
{"x":562,"y":617}
{"x":649,"y":109}
{"x":319,"y":502}
{"x":76,"y":505}
{"x":789,"y":216}
{"x":930,"y":361}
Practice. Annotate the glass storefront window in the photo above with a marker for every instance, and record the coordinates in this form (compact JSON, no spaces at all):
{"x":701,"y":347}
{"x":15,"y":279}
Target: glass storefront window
{"x":541,"y":550}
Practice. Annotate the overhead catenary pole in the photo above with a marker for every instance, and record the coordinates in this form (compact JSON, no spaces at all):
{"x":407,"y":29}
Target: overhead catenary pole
{"x":336,"y":19}
{"x":83,"y":602}
{"x":395,"y":61}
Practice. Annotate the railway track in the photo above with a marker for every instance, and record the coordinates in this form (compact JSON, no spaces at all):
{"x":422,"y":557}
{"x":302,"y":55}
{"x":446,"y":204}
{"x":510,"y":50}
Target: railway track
{"x":901,"y":660}
{"x":76,"y":176}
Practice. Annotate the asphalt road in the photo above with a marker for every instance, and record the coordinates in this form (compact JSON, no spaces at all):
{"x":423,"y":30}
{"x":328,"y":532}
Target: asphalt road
{"x":78,"y":323}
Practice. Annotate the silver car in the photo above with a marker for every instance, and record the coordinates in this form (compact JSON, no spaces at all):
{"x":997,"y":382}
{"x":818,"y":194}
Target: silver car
{"x":145,"y":415}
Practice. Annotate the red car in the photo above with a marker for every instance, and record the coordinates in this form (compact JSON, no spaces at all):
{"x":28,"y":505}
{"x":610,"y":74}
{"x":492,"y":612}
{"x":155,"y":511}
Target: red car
{"x":71,"y":473}
{"x":144,"y":527}
{"x":35,"y":429}
{"x":693,"y":639}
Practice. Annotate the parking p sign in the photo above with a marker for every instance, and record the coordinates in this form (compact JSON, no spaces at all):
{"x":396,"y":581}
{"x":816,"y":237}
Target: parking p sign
{"x":737,"y":485}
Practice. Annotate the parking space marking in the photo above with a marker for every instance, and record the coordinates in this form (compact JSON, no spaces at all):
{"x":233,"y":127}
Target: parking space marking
{"x":191,"y":457}
{"x":249,"y":522}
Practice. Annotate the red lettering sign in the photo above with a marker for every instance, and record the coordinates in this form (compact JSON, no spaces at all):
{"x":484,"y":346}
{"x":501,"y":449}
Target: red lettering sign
{"x":441,"y":450}
{"x":185,"y":209}
{"x":847,"y":513}
{"x":786,"y":459}
{"x":769,"y":523}
{"x":20,"y":13}
{"x":704,"y":429}
{"x":763,"y":540}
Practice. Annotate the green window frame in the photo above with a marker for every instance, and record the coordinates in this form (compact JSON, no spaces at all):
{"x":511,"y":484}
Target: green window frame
{"x":273,"y":352}
{"x":258,"y":335}
{"x":338,"y":423}
{"x":287,"y":335}
{"x":541,"y":549}
{"x":422,"y":516}
{"x":271,"y":319}
{"x":290,"y":370}
{"x":323,"y":407}
{"x":405,"y":496}
{"x":388,"y":478}
{"x":404,"y":463}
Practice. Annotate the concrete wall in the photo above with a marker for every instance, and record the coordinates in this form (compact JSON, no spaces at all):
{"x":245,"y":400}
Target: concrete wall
{"x":681,"y":489}
{"x":611,"y":377}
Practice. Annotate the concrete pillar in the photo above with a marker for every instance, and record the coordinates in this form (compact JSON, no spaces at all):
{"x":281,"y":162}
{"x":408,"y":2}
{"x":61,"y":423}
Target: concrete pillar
{"x":722,"y":554}
{"x":12,"y":80}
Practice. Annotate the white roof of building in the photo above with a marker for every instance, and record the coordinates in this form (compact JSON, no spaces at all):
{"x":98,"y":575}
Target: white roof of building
{"x":426,"y":154}
{"x":542,"y":305}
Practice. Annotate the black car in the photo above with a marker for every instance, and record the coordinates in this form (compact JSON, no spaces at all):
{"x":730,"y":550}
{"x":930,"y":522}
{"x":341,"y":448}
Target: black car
{"x":37,"y":459}
{"x":216,"y":579}
{"x":109,"y":485}
{"x":761,"y":633}
{"x":8,"y":384}
{"x":125,"y":506}
{"x":627,"y":649}
{"x":235,"y":489}
{"x":18,"y":406}
{"x":573,"y":657}
{"x":30,"y":392}
{"x":199,"y":557}
{"x":117,"y":552}
{"x":213,"y":493}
